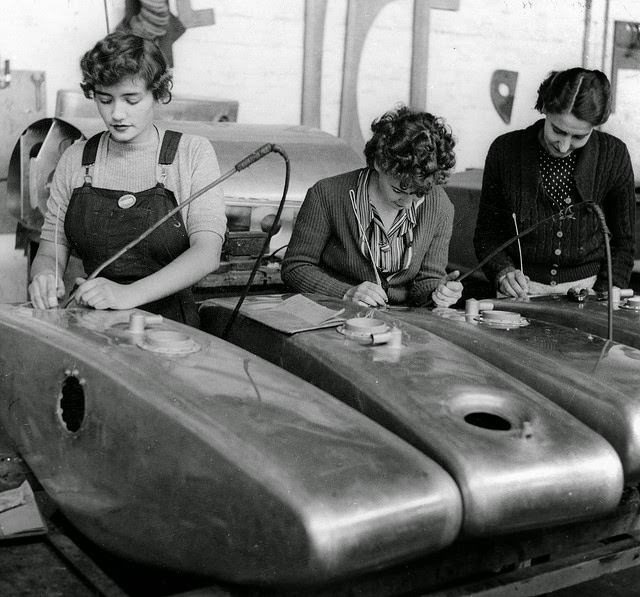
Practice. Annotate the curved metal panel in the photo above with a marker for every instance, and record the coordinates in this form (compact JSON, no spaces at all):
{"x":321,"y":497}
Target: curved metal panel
{"x":590,"y":316}
{"x":596,"y":380}
{"x":520,"y":461}
{"x":361,"y":14}
{"x":214,"y":462}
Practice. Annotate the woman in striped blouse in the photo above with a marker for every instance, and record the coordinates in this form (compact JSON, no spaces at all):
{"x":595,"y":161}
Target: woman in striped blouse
{"x":381,"y":234}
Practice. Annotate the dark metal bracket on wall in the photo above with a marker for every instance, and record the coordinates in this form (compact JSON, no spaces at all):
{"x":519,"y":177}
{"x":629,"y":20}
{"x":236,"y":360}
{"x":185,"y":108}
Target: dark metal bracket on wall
{"x":503,"y":90}
{"x":626,"y":52}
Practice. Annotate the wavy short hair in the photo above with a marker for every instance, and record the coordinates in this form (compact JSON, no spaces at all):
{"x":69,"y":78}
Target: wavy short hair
{"x":121,"y":55}
{"x":584,"y":93}
{"x":414,"y":147}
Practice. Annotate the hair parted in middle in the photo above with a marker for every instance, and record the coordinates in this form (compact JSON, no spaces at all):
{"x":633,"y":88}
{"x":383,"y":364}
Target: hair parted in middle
{"x":584,"y":93}
{"x":414,"y":147}
{"x":121,"y":55}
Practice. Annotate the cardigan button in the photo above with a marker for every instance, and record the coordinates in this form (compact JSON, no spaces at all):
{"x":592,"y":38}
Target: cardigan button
{"x":558,"y":252}
{"x":553,"y":272}
{"x":552,"y":283}
{"x":559,"y":234}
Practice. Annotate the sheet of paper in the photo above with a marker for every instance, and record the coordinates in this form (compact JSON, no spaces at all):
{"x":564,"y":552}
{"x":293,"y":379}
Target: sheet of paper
{"x":21,"y":515}
{"x":305,"y":309}
{"x":295,"y":314}
{"x":11,"y":498}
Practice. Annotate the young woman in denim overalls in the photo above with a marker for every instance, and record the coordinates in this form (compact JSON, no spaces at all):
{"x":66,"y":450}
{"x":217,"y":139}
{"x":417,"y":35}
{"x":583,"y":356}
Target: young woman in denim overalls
{"x":108,"y":190}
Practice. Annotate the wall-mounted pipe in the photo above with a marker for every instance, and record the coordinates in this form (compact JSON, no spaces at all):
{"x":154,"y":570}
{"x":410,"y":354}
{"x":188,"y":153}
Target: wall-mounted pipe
{"x":587,"y":33}
{"x":605,"y":35}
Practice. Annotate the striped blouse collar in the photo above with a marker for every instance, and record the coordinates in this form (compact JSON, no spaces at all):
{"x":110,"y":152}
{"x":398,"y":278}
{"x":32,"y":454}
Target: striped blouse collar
{"x":399,"y":238}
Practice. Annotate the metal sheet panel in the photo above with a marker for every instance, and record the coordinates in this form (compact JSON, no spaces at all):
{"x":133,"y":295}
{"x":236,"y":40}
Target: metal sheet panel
{"x":72,"y":103}
{"x":210,"y":460}
{"x":22,"y":102}
{"x":520,"y":461}
{"x":590,"y":316}
{"x":595,"y":379}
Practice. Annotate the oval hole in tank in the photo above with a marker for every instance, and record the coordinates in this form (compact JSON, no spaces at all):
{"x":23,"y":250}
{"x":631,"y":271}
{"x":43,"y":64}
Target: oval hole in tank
{"x":488,"y":421}
{"x":71,"y":405}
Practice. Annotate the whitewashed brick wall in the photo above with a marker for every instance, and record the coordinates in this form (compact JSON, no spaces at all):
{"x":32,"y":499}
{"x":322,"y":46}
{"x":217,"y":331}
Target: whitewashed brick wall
{"x":253,"y":54}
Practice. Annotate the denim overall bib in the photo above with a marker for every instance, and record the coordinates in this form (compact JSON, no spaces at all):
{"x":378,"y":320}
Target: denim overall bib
{"x":99,"y":222}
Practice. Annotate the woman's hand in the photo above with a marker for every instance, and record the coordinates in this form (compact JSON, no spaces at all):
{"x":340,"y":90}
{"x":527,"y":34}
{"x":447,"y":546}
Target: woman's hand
{"x":45,"y":290}
{"x":514,"y":283}
{"x":448,"y":291}
{"x":367,"y":294}
{"x":101,"y":293}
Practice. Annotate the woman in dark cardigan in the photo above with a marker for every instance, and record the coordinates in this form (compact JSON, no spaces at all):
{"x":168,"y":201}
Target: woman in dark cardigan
{"x":559,"y":162}
{"x":381,"y":234}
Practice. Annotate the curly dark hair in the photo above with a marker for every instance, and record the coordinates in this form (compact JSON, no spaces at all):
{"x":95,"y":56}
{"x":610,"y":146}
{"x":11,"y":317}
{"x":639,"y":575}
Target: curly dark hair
{"x":414,"y":147}
{"x":121,"y":55}
{"x":584,"y":93}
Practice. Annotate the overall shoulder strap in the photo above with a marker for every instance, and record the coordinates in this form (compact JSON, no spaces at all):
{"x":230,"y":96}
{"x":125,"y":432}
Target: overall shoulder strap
{"x":169,"y":147}
{"x":91,"y":150}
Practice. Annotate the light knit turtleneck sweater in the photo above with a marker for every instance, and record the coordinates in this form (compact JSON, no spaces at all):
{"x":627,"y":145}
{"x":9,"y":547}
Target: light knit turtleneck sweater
{"x":133,"y":167}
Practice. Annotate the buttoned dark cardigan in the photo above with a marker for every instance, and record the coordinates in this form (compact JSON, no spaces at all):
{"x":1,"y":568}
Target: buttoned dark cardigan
{"x":512,"y":184}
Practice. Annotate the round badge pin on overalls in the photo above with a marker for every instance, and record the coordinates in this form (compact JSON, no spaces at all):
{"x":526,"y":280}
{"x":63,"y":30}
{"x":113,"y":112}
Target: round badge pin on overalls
{"x":127,"y":201}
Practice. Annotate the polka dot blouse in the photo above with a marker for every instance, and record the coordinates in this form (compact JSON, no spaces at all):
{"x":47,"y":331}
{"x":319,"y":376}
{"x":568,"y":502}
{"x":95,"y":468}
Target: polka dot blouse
{"x":557,"y":178}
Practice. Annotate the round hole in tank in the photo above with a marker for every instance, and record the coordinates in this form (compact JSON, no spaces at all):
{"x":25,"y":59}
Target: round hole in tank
{"x":487,"y":421}
{"x":71,"y":405}
{"x":491,"y":409}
